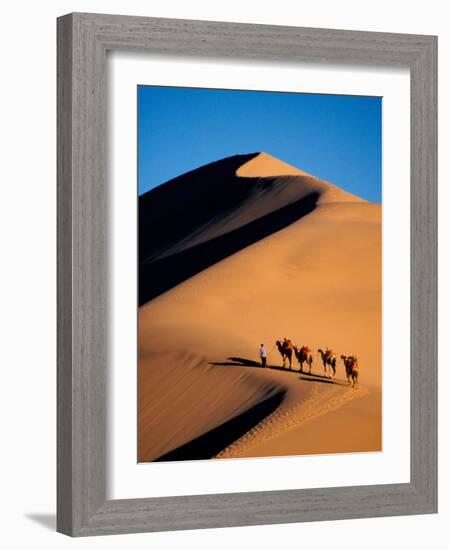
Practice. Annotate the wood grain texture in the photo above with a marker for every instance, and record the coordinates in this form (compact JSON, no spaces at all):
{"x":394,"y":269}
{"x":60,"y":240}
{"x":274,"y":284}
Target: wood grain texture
{"x":64,"y":277}
{"x":83,"y":40}
{"x":424,"y":251}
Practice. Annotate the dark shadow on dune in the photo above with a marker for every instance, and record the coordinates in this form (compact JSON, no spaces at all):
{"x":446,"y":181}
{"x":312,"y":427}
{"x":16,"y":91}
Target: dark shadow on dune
{"x":241,"y":362}
{"x":312,"y":376}
{"x":232,"y":364}
{"x":237,"y":362}
{"x":323,"y":380}
{"x":211,"y":443}
{"x":162,"y":275}
{"x":178,"y":208}
{"x":245,"y":362}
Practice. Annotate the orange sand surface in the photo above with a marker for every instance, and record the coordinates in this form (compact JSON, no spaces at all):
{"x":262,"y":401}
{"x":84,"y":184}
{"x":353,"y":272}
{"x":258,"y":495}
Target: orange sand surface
{"x":202,"y":393}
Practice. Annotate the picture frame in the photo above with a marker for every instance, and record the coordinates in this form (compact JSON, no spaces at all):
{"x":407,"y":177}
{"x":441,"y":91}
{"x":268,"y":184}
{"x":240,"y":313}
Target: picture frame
{"x":82,"y":506}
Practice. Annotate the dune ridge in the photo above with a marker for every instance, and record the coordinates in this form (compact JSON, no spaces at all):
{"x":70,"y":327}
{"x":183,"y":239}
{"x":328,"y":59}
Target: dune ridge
{"x":260,"y":250}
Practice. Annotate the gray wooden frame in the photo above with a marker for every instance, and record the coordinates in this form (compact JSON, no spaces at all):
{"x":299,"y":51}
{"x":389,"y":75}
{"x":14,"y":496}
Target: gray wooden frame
{"x":83,"y":40}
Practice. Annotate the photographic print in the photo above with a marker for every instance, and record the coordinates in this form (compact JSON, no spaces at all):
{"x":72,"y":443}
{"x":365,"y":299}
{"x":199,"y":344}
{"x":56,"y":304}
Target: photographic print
{"x":259,"y":274}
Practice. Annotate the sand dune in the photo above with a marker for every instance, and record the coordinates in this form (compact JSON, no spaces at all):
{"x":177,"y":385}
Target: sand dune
{"x":198,"y":219}
{"x":255,"y":250}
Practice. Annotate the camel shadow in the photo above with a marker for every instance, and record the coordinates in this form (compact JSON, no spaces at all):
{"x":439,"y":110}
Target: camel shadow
{"x":244,"y":362}
{"x":237,"y":362}
{"x":322,"y":380}
{"x":313,"y":377}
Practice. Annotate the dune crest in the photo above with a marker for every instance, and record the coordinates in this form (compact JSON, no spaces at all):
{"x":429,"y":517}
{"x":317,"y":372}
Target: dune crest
{"x":262,"y":165}
{"x":265,"y":165}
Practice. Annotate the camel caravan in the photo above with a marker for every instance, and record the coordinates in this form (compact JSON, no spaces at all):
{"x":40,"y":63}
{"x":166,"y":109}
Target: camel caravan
{"x":304,"y":355}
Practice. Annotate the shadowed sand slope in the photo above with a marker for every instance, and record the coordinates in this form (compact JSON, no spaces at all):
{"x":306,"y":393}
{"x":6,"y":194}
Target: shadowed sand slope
{"x":191,"y":410}
{"x":314,"y":275}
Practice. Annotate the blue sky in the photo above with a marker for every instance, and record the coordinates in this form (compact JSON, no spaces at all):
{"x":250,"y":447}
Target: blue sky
{"x":336,"y":138}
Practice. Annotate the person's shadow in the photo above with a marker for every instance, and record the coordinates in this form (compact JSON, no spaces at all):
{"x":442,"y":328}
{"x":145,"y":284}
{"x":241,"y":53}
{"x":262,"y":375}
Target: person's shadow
{"x":46,"y":520}
{"x":242,"y":362}
{"x":238,"y":361}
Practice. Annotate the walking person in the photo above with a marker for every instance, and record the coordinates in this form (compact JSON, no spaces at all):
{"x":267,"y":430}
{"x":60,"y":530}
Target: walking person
{"x":263,"y":355}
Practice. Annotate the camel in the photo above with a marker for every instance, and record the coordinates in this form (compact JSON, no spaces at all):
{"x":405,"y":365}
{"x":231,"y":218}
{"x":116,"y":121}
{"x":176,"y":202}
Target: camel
{"x":355,"y":375}
{"x":348,"y":367}
{"x":332,"y":362}
{"x":304,"y":355}
{"x":352,"y":369}
{"x":328,"y":358}
{"x":286,"y":353}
